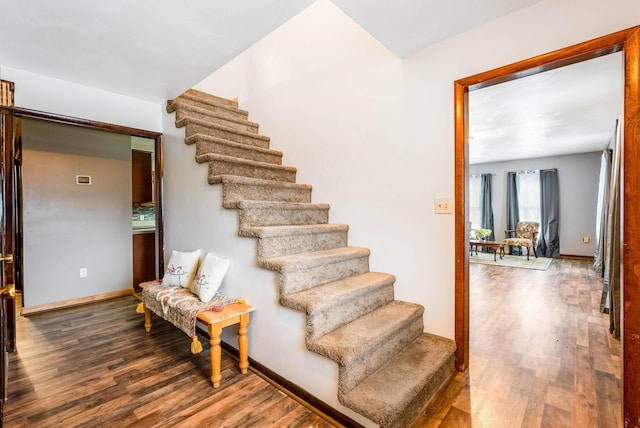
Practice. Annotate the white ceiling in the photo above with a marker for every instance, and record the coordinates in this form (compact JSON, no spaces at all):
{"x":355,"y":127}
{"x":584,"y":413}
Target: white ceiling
{"x":156,"y":49}
{"x":567,"y":110}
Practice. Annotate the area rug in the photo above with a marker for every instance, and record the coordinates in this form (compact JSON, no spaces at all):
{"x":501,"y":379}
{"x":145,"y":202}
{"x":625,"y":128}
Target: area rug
{"x":540,"y":263}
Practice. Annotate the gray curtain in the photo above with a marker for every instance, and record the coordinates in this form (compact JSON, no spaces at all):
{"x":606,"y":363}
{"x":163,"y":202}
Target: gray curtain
{"x":486,"y":206}
{"x":513,"y":215}
{"x":601,"y":221}
{"x":548,"y":237}
{"x":612,"y":249}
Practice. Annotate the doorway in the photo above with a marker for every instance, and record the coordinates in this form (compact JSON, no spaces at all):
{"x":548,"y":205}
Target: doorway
{"x":97,"y":157}
{"x":627,"y":41}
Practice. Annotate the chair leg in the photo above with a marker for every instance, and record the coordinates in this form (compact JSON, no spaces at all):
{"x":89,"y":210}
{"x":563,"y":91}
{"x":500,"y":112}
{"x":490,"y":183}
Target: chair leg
{"x":535,"y":252}
{"x":528,"y":251}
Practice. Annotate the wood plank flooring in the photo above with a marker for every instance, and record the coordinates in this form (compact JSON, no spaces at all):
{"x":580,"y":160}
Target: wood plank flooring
{"x":95,"y":366}
{"x":541,"y":354}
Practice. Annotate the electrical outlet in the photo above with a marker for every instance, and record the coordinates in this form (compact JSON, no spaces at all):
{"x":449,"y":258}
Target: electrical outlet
{"x":443,"y":206}
{"x":585,"y":239}
{"x":83,"y":272}
{"x":141,"y":217}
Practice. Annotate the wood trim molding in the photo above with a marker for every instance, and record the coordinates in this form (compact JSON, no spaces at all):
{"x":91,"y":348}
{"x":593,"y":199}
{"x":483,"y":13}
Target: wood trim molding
{"x":627,"y":41}
{"x":30,"y":310}
{"x":85,"y":123}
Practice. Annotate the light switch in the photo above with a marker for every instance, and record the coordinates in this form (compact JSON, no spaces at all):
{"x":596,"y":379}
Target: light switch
{"x":443,"y":206}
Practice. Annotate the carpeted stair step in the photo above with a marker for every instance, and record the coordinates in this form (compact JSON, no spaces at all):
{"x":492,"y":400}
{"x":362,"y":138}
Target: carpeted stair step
{"x":236,"y":189}
{"x":229,"y":165}
{"x":300,"y":272}
{"x":199,"y":126}
{"x":337,"y":303}
{"x":186,"y":111}
{"x":274,"y":241}
{"x":219,"y":110}
{"x":210,"y":98}
{"x":206,"y":144}
{"x":395,"y":394}
{"x":367,"y":343}
{"x":267,"y":213}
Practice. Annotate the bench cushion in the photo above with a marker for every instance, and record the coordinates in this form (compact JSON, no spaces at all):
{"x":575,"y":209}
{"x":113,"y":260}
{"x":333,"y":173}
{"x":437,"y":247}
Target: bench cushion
{"x":179,"y":306}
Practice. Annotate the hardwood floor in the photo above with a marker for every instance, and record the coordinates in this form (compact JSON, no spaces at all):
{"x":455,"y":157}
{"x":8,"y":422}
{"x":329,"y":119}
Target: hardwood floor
{"x":541,"y":354}
{"x":95,"y":366}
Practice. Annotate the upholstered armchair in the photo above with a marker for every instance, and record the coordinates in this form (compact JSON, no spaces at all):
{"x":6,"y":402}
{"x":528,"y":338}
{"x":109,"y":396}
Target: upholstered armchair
{"x":525,"y":235}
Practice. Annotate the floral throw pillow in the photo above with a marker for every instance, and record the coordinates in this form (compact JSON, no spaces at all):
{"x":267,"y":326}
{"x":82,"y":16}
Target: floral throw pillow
{"x":181,"y":269}
{"x":209,"y":277}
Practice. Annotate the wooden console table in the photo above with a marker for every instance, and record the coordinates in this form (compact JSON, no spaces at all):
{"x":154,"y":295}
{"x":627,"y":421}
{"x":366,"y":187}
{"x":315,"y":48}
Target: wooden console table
{"x":236,"y":313}
{"x":494,"y":245}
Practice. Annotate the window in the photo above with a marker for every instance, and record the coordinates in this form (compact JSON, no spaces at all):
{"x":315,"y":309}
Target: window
{"x":529,"y":195}
{"x":474,"y":201}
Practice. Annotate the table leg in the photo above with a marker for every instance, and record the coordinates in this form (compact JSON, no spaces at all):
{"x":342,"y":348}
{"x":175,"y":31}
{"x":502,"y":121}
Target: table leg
{"x":216,"y":353}
{"x":243,"y":343}
{"x":147,"y":319}
{"x":495,"y":252}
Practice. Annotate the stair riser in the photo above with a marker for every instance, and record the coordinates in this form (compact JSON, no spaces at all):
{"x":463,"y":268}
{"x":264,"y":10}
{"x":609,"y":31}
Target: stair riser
{"x":342,"y":312}
{"x":233,"y":192}
{"x":215,"y":109}
{"x":193,"y":129}
{"x":222,"y":167}
{"x":205,"y":147}
{"x":422,"y":399}
{"x":373,"y":358}
{"x":303,"y":279}
{"x":286,"y":245}
{"x":282,"y":217}
{"x":186,"y":114}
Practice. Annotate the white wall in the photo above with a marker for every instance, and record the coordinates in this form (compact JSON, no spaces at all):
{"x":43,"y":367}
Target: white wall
{"x":374,"y":135}
{"x":69,"y":226}
{"x":37,"y":92}
{"x":578,"y":177}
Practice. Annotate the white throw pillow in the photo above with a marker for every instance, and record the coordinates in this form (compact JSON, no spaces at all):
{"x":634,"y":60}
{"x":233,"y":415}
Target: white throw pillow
{"x":181,"y":269}
{"x":209,"y":277}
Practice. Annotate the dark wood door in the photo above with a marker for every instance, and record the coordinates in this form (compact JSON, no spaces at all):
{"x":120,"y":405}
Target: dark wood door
{"x":8,"y":193}
{"x":141,"y":177}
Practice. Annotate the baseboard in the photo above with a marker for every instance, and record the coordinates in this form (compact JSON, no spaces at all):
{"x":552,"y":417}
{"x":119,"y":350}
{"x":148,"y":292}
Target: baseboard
{"x":74,"y":302}
{"x":296,"y":392}
{"x":575,"y":257}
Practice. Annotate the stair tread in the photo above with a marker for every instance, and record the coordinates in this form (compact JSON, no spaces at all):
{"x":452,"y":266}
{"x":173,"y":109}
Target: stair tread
{"x":207,"y":124}
{"x":210,"y":157}
{"x":214,"y":98}
{"x":351,"y":341}
{"x":237,"y":179}
{"x":248,"y":204}
{"x":291,"y":230}
{"x":171,"y":104}
{"x":202,"y":137}
{"x":326,"y":295}
{"x":180,"y":104}
{"x":401,"y":378}
{"x":308,"y":260}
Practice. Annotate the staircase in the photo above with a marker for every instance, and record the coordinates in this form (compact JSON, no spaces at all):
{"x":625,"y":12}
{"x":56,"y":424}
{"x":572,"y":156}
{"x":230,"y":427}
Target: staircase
{"x":388,"y":368}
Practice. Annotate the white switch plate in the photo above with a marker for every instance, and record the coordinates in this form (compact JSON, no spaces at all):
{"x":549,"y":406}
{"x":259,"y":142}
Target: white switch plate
{"x":443,"y":206}
{"x":83,"y":273}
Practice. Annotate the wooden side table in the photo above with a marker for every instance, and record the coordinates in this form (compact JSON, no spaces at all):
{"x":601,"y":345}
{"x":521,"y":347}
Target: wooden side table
{"x":236,"y":313}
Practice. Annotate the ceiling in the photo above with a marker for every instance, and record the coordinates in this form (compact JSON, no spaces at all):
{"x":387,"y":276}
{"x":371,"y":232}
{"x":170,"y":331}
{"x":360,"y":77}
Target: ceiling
{"x":567,"y":110}
{"x":156,"y":49}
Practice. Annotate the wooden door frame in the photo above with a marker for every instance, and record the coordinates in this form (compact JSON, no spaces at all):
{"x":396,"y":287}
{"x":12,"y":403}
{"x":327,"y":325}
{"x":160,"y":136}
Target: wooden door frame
{"x":628,"y":42}
{"x":116,"y":129}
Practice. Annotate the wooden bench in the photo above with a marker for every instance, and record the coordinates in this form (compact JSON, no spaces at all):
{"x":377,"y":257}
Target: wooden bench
{"x":235,"y":313}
